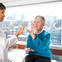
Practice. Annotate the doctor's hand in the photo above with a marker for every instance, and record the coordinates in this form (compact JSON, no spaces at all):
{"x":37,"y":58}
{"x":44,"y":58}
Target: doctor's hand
{"x":21,"y":30}
{"x":28,"y":50}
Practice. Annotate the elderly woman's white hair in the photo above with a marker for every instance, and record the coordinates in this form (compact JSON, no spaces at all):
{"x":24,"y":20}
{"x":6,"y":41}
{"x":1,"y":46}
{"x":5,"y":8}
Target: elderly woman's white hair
{"x":41,"y":17}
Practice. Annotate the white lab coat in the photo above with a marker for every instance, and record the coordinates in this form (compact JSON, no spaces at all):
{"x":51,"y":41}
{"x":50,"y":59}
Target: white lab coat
{"x":4,"y":45}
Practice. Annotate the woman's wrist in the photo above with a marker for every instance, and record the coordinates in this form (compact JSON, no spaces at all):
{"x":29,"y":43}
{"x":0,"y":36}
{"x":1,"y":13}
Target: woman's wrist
{"x":33,"y":36}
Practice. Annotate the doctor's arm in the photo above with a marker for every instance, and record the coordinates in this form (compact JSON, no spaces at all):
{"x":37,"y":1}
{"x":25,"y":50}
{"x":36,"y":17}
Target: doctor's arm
{"x":20,"y":31}
{"x":11,"y":41}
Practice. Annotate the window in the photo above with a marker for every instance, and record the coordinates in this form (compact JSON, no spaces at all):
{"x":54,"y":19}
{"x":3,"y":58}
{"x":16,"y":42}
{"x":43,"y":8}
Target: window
{"x":51,"y":11}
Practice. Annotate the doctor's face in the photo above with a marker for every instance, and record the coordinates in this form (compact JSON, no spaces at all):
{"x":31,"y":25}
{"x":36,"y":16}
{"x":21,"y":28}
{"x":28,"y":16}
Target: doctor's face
{"x":2,"y":14}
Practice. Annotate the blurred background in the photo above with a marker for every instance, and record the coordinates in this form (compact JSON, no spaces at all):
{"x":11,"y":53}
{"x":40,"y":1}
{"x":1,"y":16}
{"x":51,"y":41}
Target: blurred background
{"x":25,"y":10}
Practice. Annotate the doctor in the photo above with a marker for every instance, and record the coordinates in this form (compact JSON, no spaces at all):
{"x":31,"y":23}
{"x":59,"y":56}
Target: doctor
{"x":6,"y":43}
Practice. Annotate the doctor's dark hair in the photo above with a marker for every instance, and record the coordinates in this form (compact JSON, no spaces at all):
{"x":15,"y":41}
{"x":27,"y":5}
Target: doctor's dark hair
{"x":41,"y":17}
{"x":2,"y":6}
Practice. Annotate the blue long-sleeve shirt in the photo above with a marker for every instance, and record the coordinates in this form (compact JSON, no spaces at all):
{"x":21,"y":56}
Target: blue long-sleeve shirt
{"x":40,"y":45}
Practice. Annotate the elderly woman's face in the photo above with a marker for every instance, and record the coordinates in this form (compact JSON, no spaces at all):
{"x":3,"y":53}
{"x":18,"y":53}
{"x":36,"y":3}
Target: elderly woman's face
{"x":38,"y":23}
